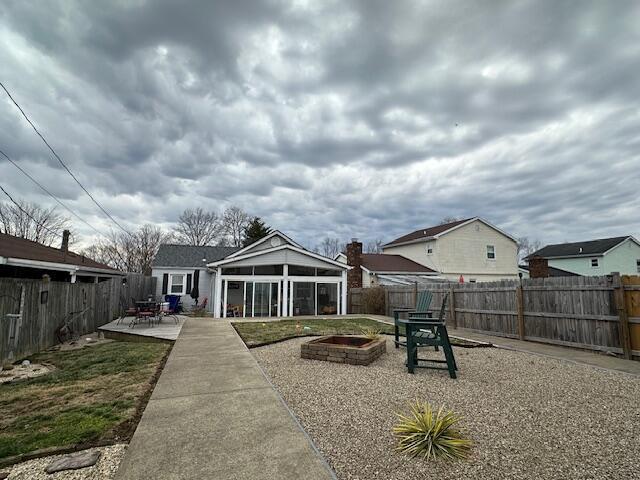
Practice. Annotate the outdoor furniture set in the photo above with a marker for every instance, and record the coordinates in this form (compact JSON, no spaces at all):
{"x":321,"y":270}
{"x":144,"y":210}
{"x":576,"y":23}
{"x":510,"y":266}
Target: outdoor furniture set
{"x":150,"y":311}
{"x":422,"y":330}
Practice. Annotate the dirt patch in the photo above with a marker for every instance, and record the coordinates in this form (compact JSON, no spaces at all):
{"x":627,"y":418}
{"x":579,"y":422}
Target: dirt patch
{"x":87,"y":340}
{"x":21,"y":372}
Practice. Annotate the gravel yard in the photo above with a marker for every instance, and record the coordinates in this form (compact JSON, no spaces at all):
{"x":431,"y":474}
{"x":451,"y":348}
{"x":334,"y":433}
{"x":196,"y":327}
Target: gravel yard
{"x":530,"y":417}
{"x":104,"y":469}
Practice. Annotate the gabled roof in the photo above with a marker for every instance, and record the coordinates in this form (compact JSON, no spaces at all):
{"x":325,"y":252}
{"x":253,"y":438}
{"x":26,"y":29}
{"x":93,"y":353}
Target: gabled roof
{"x":580,"y":249}
{"x":382,"y":262}
{"x":188,"y":256}
{"x":242,"y":250}
{"x":21,"y":248}
{"x":428,"y":233}
{"x":266,"y":251}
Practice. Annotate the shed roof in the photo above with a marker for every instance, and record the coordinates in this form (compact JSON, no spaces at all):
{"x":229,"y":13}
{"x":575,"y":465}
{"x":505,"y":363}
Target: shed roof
{"x":172,"y":255}
{"x":16,"y":247}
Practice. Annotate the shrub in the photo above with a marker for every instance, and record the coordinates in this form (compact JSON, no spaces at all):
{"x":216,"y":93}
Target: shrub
{"x":372,"y":333}
{"x":373,"y":300}
{"x":430,"y":434}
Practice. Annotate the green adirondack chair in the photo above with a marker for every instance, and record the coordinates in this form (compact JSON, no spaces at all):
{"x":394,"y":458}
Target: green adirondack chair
{"x":420,"y":312}
{"x":423,"y":302}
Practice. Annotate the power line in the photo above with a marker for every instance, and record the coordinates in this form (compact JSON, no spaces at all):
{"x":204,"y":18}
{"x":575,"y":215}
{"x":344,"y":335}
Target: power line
{"x":61,"y":162}
{"x":57,"y":234}
{"x":51,"y":194}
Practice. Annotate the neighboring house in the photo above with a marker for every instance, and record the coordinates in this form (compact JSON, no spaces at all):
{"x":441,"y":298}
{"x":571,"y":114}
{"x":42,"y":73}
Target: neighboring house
{"x":593,"y":257}
{"x":473,"y":249}
{"x":21,"y":258}
{"x":382,"y":269}
{"x":272,"y":277}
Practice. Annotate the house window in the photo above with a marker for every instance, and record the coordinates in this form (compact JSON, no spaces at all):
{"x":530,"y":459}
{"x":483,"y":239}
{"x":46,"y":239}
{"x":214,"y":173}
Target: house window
{"x":429,"y":249}
{"x":491,"y":252}
{"x":177,"y":284}
{"x":594,"y":263}
{"x":638,"y":265}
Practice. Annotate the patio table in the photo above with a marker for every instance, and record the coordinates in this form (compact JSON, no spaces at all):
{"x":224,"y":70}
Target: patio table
{"x":146,"y":309}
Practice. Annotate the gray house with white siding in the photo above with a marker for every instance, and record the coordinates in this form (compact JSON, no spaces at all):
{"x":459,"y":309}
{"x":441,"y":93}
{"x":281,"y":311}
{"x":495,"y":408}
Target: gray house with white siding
{"x":273,"y":277}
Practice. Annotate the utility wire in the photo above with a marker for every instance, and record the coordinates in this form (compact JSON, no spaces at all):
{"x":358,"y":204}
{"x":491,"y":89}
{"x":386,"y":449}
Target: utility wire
{"x":51,"y":194}
{"x":61,"y":162}
{"x":57,"y":234}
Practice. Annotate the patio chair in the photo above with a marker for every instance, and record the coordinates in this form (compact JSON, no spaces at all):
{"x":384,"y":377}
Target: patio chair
{"x":166,"y":310}
{"x":430,"y":333}
{"x":421,"y":311}
{"x":126,"y":310}
{"x":174,"y":306}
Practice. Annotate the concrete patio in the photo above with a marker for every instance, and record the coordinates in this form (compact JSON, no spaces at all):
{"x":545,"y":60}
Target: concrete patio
{"x":214,"y":414}
{"x":167,"y":330}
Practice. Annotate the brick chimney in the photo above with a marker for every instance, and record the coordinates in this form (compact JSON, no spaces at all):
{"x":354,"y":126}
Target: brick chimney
{"x":538,"y":267}
{"x":65,"y":242}
{"x":354,"y":259}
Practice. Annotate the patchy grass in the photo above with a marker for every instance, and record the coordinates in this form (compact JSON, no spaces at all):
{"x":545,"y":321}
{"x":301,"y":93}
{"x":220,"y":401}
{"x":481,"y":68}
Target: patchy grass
{"x":256,"y":334}
{"x":94,"y":395}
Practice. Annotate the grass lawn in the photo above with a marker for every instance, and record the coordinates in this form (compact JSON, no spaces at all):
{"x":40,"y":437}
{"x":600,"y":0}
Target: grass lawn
{"x":255,"y":334}
{"x":94,"y":395}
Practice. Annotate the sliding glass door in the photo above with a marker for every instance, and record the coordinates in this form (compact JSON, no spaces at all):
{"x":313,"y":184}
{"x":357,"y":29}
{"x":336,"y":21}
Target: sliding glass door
{"x":304,"y":298}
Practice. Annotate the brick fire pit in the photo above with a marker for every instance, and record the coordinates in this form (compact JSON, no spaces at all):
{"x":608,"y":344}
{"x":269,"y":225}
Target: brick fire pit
{"x":344,"y":349}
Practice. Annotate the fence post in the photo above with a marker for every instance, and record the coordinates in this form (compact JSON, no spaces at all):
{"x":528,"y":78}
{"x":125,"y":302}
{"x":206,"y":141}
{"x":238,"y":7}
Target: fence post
{"x":520,"y":311}
{"x":415,"y":294}
{"x":623,"y":315}
{"x":452,"y":307}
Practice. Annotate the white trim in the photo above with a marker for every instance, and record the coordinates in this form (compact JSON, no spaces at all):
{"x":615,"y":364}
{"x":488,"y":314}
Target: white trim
{"x":170,"y":284}
{"x":262,"y":240}
{"x":302,"y":251}
{"x":64,"y":267}
{"x":423,"y":274}
{"x":630,"y":237}
{"x":597,"y":265}
{"x":495,"y":254}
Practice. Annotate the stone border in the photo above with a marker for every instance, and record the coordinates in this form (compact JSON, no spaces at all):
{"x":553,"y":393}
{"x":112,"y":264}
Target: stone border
{"x":318,"y":350}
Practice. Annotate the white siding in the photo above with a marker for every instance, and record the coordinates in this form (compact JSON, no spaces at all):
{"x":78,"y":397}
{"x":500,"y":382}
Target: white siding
{"x":281,"y":257}
{"x":463,"y":251}
{"x":204,"y":285}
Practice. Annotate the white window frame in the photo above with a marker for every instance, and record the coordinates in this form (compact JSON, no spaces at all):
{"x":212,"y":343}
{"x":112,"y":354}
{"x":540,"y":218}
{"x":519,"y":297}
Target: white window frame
{"x":184,"y":283}
{"x":429,"y":249}
{"x":493,"y":247}
{"x":597,"y":265}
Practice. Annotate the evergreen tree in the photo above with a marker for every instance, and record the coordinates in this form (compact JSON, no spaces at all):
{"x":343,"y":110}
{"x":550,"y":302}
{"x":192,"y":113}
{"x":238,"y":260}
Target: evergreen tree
{"x":254,"y":231}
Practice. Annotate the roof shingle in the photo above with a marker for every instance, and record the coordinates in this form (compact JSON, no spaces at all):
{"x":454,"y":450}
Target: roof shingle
{"x":16,"y":247}
{"x":171,"y":255}
{"x":427,"y":232}
{"x":382,"y":262}
{"x":591,"y":247}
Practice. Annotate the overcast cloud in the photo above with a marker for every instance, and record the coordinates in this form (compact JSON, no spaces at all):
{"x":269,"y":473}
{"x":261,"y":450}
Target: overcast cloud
{"x":351,"y":119}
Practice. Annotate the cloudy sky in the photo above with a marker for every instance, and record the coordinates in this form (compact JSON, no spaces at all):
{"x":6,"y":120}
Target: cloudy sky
{"x":341,"y":118}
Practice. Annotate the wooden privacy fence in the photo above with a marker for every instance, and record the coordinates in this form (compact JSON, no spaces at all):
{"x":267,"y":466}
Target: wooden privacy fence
{"x":596,"y":313}
{"x":32,"y":310}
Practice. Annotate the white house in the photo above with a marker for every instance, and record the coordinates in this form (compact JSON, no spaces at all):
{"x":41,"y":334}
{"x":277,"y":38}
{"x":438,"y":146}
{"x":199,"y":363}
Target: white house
{"x":273,"y":277}
{"x":473,"y":249}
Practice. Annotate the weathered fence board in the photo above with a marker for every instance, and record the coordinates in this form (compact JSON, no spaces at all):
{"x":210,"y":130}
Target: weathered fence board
{"x":570,"y":311}
{"x":32,"y":310}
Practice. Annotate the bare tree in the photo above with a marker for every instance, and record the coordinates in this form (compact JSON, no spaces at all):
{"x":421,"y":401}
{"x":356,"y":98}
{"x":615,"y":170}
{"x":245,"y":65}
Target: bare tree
{"x":526,"y":247}
{"x":449,"y":219}
{"x":130,"y":252}
{"x":374,"y":246}
{"x":234,"y":222}
{"x":33,"y":222}
{"x":198,"y":228}
{"x":329,"y":247}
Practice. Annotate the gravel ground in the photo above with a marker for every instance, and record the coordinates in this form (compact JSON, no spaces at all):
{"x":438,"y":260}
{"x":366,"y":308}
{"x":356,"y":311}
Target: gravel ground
{"x":530,"y":417}
{"x":104,"y":469}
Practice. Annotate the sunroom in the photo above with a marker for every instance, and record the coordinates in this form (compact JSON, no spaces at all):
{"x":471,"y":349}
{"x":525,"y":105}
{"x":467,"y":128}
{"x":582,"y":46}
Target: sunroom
{"x":276,"y":277}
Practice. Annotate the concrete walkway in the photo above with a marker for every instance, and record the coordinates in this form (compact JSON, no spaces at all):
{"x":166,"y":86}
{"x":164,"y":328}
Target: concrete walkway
{"x":215,"y":415}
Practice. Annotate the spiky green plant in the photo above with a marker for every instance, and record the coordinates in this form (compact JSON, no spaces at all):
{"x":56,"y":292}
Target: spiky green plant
{"x":429,"y":434}
{"x":371,"y":333}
